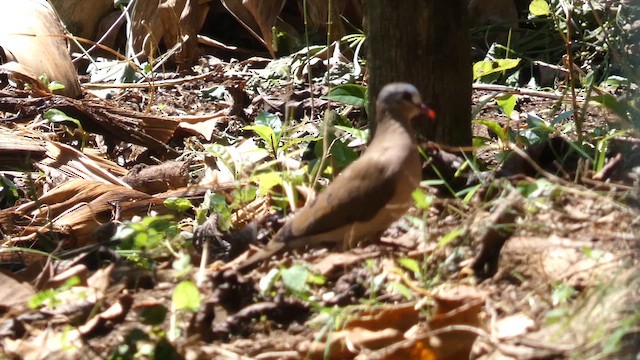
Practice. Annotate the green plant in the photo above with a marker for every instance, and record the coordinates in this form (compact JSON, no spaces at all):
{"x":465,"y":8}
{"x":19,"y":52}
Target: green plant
{"x":562,"y":293}
{"x":601,"y":149}
{"x":51,"y":85}
{"x":269,"y":128}
{"x":487,"y":70}
{"x":355,"y":41}
{"x":147,"y":238}
{"x":49,"y":297}
{"x":8,"y":192}
{"x":185,"y":298}
{"x":349,"y":94}
{"x":275,"y":135}
{"x":295,"y":279}
{"x":57,"y":116}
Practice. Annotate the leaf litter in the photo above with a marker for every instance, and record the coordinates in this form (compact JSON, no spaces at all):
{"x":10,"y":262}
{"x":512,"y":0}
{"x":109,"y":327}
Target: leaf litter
{"x":569,"y":242}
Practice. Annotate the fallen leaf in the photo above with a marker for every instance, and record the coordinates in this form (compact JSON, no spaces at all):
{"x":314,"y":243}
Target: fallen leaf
{"x":14,"y":293}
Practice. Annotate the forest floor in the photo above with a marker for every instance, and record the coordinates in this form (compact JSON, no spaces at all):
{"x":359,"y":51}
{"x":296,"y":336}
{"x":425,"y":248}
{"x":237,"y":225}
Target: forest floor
{"x":566,"y":284}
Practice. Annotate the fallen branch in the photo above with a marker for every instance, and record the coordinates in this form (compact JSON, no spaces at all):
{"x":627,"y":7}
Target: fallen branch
{"x":96,"y":116}
{"x":521,"y":91}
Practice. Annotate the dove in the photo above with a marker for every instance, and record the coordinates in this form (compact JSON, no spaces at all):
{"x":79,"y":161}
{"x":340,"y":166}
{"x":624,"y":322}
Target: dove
{"x":371,"y":193}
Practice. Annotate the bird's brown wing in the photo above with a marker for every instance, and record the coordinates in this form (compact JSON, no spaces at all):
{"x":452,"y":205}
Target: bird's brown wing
{"x":352,"y":197}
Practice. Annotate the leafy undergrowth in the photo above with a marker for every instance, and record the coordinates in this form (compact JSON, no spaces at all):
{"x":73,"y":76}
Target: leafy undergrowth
{"x":525,"y":247}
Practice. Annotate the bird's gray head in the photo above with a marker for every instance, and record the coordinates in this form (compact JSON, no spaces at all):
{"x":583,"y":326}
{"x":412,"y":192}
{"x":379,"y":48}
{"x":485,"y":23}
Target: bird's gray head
{"x":400,"y":100}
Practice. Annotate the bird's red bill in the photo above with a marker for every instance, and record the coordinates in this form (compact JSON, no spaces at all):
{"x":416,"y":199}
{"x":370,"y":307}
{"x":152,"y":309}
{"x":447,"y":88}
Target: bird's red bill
{"x":431,"y":114}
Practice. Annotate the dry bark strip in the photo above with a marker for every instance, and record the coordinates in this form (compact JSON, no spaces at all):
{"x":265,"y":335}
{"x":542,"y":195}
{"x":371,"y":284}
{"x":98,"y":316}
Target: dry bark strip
{"x":98,"y":117}
{"x":78,"y":208}
{"x":158,"y":178}
{"x":18,"y":153}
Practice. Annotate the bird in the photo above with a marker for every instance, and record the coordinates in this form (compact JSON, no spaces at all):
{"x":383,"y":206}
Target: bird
{"x":368,"y":195}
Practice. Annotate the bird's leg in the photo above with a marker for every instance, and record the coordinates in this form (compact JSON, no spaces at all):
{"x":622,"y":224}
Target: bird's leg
{"x":350,"y":240}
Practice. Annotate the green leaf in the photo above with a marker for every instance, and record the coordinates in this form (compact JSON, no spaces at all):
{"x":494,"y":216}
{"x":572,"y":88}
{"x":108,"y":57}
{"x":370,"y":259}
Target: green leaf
{"x":349,"y":94}
{"x":269,"y":120}
{"x":562,"y":293}
{"x":267,"y":181}
{"x":613,"y":342}
{"x":51,"y":85}
{"x":57,"y":116}
{"x":245,"y":194}
{"x":556,"y":315}
{"x":269,"y":128}
{"x":468,"y":193}
{"x":592,"y":253}
{"x":562,"y":116}
{"x":217,"y":203}
{"x":410,"y":264}
{"x":40,"y":297}
{"x":186,"y":296}
{"x":8,"y":192}
{"x":316,"y":279}
{"x":141,"y":240}
{"x":48,"y":296}
{"x":450,"y":236}
{"x":216,"y":92}
{"x":55,"y":85}
{"x":421,"y":199}
{"x":602,"y":147}
{"x":182,"y":265}
{"x":487,"y":67}
{"x":361,"y":135}
{"x":535,"y":121}
{"x":266,"y":282}
{"x":295,"y":278}
{"x":342,"y":154}
{"x":535,"y":189}
{"x":495,"y":127}
{"x":617,"y":81}
{"x":341,"y":120}
{"x":291,"y":142}
{"x":148,"y":233}
{"x":402,"y":289}
{"x":265,"y":133}
{"x":222,"y":153}
{"x":507,"y":103}
{"x":539,"y":8}
{"x":178,"y":204}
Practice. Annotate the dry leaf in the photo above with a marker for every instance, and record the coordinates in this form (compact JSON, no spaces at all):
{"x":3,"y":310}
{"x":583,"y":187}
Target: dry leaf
{"x":14,"y":292}
{"x":44,"y":53}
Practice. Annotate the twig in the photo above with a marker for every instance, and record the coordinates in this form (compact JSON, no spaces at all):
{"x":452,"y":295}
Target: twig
{"x":521,"y":91}
{"x":537,"y":167}
{"x":145,"y":85}
{"x":608,"y":168}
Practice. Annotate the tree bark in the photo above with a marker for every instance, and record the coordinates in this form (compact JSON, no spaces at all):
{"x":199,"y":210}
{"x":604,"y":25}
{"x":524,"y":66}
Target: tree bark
{"x":426,"y":43}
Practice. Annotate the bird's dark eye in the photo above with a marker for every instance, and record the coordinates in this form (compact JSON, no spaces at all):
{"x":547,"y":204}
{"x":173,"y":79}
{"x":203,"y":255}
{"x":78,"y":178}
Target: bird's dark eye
{"x":407,"y":96}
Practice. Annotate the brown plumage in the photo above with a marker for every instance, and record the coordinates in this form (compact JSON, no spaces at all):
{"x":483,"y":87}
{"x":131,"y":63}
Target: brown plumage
{"x":371,"y":193}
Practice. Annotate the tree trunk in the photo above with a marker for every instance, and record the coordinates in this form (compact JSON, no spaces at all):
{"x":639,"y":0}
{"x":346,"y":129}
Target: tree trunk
{"x":426,"y":43}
